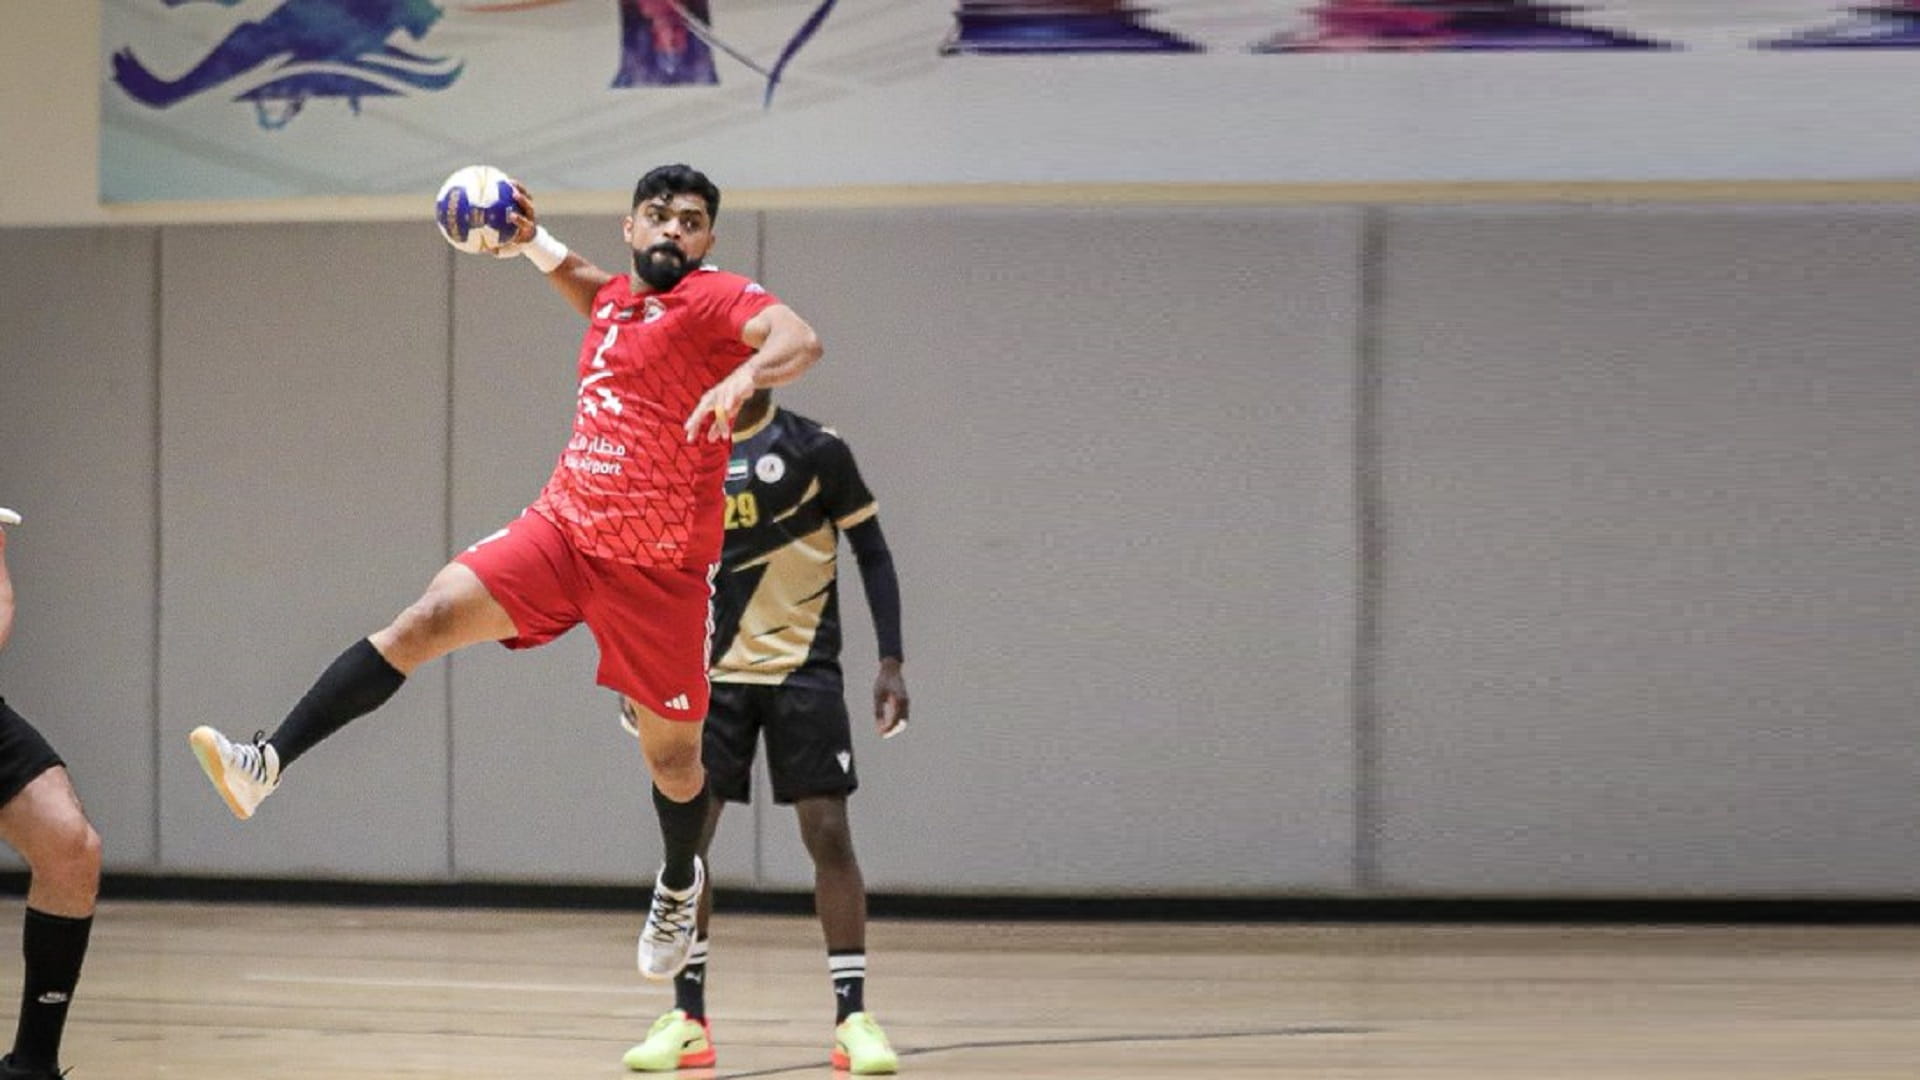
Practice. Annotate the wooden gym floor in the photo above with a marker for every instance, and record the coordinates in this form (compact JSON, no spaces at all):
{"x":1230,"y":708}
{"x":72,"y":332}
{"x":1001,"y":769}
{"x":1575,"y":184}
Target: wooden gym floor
{"x":264,"y":992}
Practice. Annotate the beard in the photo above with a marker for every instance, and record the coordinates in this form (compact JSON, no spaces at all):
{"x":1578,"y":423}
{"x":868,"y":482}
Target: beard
{"x":662,"y":266}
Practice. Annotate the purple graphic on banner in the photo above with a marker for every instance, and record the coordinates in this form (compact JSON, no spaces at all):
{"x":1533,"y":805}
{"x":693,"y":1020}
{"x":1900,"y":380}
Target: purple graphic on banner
{"x":1446,"y":25}
{"x":658,"y":46}
{"x":323,"y":48}
{"x":1057,"y":26}
{"x":1874,"y":26}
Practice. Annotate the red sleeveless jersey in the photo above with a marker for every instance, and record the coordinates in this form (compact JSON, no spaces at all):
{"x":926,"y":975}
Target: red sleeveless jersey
{"x":629,"y":486}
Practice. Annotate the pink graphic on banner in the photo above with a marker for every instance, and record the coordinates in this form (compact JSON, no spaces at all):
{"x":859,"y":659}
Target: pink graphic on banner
{"x":657,"y":47}
{"x":1446,"y":25}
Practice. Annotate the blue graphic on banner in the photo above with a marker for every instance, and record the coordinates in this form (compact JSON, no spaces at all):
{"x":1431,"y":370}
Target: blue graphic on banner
{"x":1875,"y":26}
{"x":794,"y":44}
{"x":1057,"y":26}
{"x":324,"y":48}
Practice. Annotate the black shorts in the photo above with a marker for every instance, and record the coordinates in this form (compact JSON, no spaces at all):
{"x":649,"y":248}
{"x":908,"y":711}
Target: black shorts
{"x":24,"y":753}
{"x":809,"y":742}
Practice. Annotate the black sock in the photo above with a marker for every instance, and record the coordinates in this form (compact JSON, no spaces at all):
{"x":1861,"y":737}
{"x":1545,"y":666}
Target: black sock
{"x":359,"y":681}
{"x":54,"y":946}
{"x":680,"y":825}
{"x":690,"y":986}
{"x":849,"y":967}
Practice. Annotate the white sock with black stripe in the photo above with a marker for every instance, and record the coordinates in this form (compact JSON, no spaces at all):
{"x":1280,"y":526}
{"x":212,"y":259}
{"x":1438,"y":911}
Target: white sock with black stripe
{"x":849,"y":968}
{"x":690,"y":986}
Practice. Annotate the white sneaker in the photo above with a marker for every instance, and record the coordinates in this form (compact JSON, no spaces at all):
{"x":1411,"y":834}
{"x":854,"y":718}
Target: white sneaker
{"x":243,"y":773}
{"x":667,"y":937}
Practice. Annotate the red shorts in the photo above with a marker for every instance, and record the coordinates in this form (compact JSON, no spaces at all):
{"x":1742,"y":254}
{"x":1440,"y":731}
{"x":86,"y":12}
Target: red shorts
{"x":652,"y":623}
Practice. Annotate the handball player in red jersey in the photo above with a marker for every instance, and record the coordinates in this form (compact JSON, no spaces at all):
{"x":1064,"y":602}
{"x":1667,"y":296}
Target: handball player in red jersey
{"x":625,"y":537}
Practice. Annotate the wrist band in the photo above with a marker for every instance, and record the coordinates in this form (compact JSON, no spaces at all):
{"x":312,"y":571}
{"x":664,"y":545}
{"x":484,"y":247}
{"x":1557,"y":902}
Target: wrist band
{"x":545,"y":251}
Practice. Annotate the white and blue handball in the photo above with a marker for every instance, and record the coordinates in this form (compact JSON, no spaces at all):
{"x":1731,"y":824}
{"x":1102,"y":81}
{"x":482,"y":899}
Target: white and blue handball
{"x":472,"y":209}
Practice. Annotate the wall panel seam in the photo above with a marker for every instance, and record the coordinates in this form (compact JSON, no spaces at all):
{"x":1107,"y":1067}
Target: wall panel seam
{"x":1368,"y":549}
{"x":446,"y":542}
{"x":156,"y":350}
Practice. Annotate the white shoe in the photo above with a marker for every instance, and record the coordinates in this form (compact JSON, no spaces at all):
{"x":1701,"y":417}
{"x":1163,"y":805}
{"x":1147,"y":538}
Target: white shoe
{"x":667,"y":937}
{"x":243,"y":773}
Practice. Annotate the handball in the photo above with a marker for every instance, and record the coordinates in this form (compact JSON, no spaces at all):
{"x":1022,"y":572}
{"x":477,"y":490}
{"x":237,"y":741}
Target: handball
{"x":471,"y":210}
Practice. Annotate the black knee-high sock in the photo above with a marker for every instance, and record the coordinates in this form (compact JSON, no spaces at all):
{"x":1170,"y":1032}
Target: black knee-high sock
{"x":359,"y":681}
{"x":690,"y":986}
{"x":680,"y":825}
{"x":54,"y":947}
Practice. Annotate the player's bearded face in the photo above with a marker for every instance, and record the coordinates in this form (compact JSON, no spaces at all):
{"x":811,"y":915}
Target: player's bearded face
{"x":662,"y":265}
{"x":669,"y":236}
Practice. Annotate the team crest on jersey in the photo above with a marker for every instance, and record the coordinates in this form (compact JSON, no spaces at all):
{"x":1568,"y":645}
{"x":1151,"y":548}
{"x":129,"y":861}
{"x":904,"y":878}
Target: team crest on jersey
{"x":770,"y":469}
{"x":652,"y":310}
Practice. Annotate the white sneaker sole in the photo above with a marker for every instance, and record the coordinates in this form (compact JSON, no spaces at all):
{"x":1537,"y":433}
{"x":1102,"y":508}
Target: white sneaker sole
{"x":206,"y":748}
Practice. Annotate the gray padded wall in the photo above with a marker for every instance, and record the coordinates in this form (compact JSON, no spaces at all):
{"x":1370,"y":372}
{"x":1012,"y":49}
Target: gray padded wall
{"x":1650,"y":610}
{"x":545,"y":783}
{"x":1645,"y":503}
{"x":1113,"y":455}
{"x":303,"y":503}
{"x":77,"y":459}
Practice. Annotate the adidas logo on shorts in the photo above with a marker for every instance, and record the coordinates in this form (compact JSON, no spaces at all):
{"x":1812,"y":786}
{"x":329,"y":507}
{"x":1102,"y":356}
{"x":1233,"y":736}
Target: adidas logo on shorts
{"x":678,"y":701}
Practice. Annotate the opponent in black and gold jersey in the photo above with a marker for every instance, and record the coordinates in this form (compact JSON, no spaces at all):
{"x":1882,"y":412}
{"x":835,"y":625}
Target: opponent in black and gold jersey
{"x":792,"y":489}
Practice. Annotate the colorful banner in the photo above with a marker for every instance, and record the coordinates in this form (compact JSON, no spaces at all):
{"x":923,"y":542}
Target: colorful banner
{"x":222,"y":99}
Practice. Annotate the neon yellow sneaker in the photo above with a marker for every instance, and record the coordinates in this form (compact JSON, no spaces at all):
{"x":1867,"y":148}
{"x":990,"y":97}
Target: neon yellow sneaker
{"x":861,"y":1048}
{"x":675,"y":1041}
